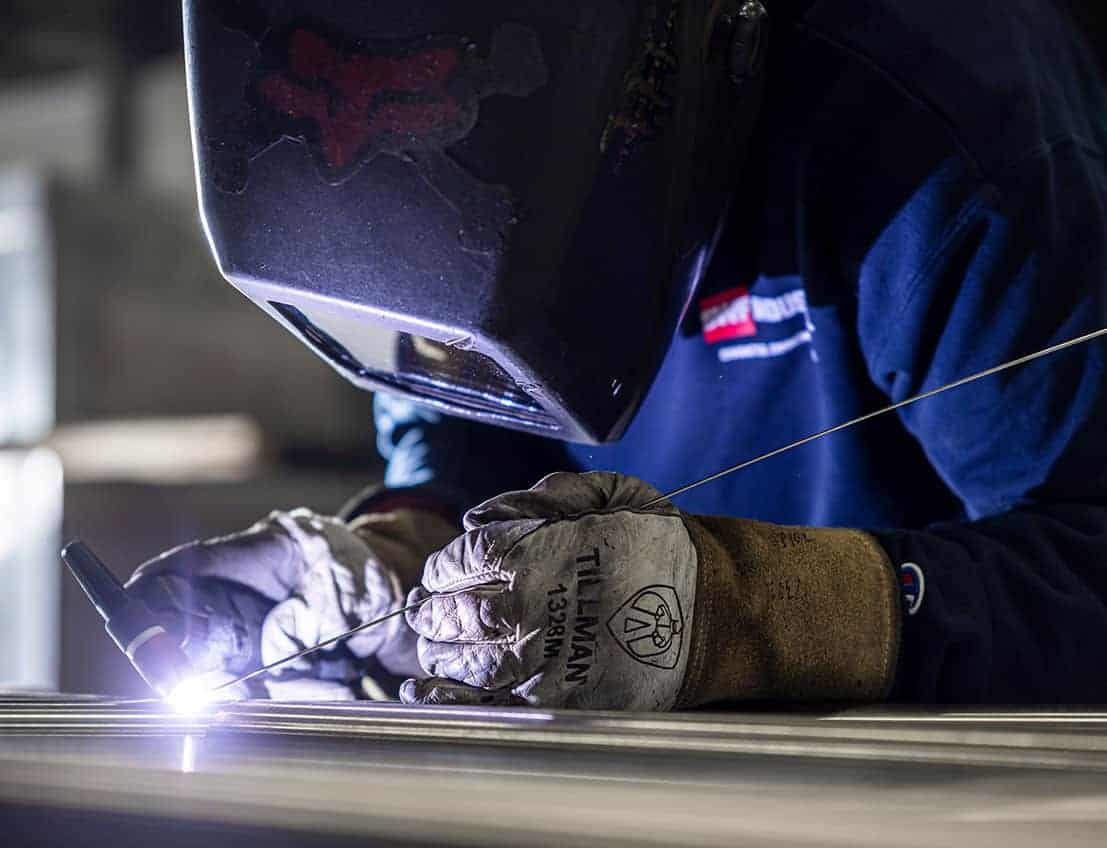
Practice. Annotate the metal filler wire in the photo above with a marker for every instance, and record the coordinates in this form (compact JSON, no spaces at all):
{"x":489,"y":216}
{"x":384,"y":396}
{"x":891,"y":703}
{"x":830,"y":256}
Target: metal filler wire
{"x":326,"y":643}
{"x":845,"y":425}
{"x":853,"y":422}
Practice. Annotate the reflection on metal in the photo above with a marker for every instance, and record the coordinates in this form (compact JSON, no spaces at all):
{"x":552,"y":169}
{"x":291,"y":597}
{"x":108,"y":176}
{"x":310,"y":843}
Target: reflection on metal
{"x":964,"y":738}
{"x":1024,"y":738}
{"x":69,"y":716}
{"x":477,"y":776}
{"x":188,"y":754}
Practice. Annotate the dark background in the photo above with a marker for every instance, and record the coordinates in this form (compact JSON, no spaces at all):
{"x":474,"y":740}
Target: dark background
{"x":176,"y":409}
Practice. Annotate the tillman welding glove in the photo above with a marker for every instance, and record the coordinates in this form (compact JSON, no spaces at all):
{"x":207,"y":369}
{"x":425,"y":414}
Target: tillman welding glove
{"x":573,"y":594}
{"x":289,"y":582}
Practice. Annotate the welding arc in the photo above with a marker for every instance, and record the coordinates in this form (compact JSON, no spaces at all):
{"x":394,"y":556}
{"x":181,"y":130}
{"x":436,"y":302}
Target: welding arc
{"x":845,"y":425}
{"x":853,"y":422}
{"x":326,"y":643}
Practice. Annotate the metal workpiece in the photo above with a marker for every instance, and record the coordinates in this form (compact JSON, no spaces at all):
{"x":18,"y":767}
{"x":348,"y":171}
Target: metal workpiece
{"x":1029,"y":739}
{"x":89,"y":717}
{"x":328,"y":774}
{"x":1025,"y":738}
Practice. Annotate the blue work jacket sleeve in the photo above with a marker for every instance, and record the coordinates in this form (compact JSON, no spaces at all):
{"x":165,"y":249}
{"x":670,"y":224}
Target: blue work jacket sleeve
{"x":447,"y":464}
{"x":1009,"y":605}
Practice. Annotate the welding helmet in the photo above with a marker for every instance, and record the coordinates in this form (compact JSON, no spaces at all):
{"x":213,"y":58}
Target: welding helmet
{"x":499,"y":209}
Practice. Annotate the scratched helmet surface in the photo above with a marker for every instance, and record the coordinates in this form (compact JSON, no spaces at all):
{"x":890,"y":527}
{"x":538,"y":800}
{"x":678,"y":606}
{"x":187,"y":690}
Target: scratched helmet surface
{"x":497,"y":209}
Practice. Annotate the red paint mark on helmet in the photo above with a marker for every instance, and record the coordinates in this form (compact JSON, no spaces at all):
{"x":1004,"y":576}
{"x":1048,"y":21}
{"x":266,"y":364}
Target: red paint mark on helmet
{"x":354,"y":101}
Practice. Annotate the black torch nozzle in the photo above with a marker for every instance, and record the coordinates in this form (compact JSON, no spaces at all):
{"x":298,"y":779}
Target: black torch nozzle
{"x":140,"y":634}
{"x":102,"y":587}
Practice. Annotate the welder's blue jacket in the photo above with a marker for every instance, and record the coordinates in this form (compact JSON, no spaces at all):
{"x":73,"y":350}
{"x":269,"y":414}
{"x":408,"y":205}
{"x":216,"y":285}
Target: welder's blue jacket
{"x":926,"y":199}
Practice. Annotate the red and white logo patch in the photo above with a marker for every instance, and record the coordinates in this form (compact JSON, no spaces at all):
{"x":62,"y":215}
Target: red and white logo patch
{"x":727,"y":315}
{"x":738,"y":314}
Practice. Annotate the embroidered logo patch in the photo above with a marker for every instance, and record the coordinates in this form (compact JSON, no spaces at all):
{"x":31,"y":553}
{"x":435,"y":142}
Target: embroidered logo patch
{"x":737,"y":314}
{"x":912,"y":587}
{"x":650,"y":626}
{"x":727,"y":315}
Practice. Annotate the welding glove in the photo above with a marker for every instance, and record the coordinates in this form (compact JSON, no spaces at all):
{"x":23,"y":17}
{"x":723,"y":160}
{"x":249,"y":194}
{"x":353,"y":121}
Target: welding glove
{"x":289,"y":582}
{"x":576,"y":594}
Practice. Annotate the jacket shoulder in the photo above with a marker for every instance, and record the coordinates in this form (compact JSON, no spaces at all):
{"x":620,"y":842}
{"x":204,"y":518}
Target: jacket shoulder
{"x":1008,"y":78}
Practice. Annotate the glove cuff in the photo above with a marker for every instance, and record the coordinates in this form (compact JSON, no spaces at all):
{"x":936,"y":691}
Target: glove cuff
{"x":790,"y":613}
{"x":429,"y":498}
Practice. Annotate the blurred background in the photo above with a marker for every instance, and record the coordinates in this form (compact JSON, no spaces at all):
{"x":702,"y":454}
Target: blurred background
{"x":143,"y":401}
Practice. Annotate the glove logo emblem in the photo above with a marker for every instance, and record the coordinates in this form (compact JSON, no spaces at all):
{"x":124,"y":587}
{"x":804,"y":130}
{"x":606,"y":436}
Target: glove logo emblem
{"x":650,"y":626}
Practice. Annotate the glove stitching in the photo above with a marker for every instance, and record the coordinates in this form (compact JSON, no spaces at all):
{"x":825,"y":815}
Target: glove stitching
{"x":892,"y":621}
{"x":471,"y":581}
{"x":696,"y":675}
{"x":474,"y":579}
{"x":488,"y":555}
{"x":502,"y":574}
{"x":291,"y":548}
{"x":651,"y":512}
{"x":886,"y":653}
{"x":486,"y":569}
{"x":693,"y":678}
{"x":472,"y":672}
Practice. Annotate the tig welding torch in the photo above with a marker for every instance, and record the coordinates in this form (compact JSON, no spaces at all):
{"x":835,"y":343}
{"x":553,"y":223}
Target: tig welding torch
{"x":140,"y":634}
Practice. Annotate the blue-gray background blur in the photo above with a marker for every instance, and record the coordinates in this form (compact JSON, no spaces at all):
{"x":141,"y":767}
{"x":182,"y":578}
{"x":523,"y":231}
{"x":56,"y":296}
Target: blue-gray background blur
{"x":143,"y":402}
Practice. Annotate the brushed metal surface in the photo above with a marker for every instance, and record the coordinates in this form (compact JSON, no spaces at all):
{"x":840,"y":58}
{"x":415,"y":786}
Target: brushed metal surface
{"x":472,"y":776}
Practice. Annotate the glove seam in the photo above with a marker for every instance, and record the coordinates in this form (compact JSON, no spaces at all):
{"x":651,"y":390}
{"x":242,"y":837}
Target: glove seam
{"x":293,"y":550}
{"x":637,"y":510}
{"x":549,"y":522}
{"x":697,"y":655}
{"x":486,"y":566}
{"x":893,"y":619}
{"x":468,"y":582}
{"x":479,"y":578}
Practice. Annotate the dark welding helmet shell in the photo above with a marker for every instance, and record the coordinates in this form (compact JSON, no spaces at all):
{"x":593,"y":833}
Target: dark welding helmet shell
{"x":495,"y":208}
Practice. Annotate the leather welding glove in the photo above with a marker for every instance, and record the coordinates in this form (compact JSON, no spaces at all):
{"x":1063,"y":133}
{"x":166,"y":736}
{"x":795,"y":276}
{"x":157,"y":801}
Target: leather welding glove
{"x":289,"y":582}
{"x":575,"y":594}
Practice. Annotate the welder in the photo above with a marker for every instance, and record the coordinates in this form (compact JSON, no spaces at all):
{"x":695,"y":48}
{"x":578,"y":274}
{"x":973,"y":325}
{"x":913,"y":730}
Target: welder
{"x":596,"y":244}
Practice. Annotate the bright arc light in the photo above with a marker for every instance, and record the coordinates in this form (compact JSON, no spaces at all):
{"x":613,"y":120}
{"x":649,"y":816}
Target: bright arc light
{"x":191,"y":696}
